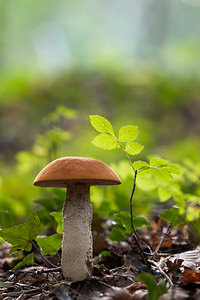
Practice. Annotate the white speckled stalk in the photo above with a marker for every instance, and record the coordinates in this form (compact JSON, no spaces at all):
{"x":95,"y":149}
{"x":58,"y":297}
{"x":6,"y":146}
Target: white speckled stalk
{"x":77,"y":237}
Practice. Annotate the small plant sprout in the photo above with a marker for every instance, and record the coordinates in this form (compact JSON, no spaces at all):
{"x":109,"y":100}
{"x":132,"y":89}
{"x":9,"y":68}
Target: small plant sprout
{"x":125,"y":140}
{"x":76,"y":174}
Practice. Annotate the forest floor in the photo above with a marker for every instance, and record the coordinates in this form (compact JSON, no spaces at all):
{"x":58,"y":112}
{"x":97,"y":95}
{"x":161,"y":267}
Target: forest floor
{"x":176,"y":269}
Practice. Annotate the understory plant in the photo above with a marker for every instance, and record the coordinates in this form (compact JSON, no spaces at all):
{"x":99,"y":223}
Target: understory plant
{"x":168,"y":179}
{"x":125,"y":141}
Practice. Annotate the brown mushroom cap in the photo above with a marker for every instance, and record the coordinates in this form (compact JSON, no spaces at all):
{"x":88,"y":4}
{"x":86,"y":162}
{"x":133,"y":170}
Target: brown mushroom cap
{"x":65,"y":171}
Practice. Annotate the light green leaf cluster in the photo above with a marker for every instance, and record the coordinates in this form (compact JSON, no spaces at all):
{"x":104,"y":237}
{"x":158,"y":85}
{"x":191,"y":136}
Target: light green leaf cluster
{"x":20,"y":236}
{"x":158,"y":174}
{"x":60,"y":110}
{"x":107,"y":139}
{"x":50,"y":244}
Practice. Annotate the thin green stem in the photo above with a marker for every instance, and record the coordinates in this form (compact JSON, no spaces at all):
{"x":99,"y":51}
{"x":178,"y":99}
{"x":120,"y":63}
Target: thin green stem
{"x":127,"y":156}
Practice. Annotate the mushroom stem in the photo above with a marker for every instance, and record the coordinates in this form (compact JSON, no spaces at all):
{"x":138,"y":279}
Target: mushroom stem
{"x":77,"y":237}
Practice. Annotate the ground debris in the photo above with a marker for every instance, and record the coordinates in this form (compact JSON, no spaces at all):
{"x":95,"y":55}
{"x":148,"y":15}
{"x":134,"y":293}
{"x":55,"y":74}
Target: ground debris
{"x":114,"y":273}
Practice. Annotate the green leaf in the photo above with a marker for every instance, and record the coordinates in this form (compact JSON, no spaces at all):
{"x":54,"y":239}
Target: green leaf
{"x":21,"y":236}
{"x":173,"y":169}
{"x":117,"y":235}
{"x":105,"y":253}
{"x":68,"y":113}
{"x":151,"y":284}
{"x":59,"y":219}
{"x":161,"y":175}
{"x":161,"y":163}
{"x":164,"y":193}
{"x":105,"y":141}
{"x":101,"y":124}
{"x":154,"y":290}
{"x":140,"y":221}
{"x":29,"y":259}
{"x":128,"y":133}
{"x":50,"y":244}
{"x":133,"y":148}
{"x":146,"y":182}
{"x":172,"y":215}
{"x":140,"y":165}
{"x":124,"y":219}
{"x":158,"y":162}
{"x":57,"y":135}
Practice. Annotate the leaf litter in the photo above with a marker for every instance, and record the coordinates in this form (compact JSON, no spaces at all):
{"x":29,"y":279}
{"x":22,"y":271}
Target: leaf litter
{"x":117,"y":272}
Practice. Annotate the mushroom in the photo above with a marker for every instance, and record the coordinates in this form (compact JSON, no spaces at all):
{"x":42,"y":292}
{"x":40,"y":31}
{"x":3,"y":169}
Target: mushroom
{"x":77,"y":174}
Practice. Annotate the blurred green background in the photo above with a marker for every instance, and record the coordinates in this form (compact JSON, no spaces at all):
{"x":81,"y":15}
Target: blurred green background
{"x":134,"y":62}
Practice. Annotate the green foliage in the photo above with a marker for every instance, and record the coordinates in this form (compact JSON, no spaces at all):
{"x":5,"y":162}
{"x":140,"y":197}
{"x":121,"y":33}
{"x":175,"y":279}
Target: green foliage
{"x":59,"y":220}
{"x":50,"y":244}
{"x":123,"y":227}
{"x":107,"y":140}
{"x":172,"y":215}
{"x":164,"y":165}
{"x":140,"y":165}
{"x":123,"y":219}
{"x":164,"y":193}
{"x":154,"y":290}
{"x":133,"y":148}
{"x":101,"y":124}
{"x":128,"y":133}
{"x":29,"y":259}
{"x":117,"y":235}
{"x":20,"y":236}
{"x":60,"y":111}
{"x":159,"y":173}
{"x":105,"y":253}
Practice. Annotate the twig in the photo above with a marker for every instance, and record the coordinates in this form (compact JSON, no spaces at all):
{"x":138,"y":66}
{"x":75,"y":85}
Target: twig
{"x":46,"y":261}
{"x":28,"y":293}
{"x":161,"y":271}
{"x":136,"y":237}
{"x":131,"y":210}
{"x":57,"y":269}
{"x":162,"y":240}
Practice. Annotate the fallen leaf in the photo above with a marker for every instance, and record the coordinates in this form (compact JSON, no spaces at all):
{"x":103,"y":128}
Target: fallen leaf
{"x":190,"y":275}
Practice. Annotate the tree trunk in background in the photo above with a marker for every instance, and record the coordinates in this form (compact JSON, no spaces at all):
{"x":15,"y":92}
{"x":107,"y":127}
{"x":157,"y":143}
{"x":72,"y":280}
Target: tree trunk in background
{"x":154,"y":21}
{"x":2,"y":26}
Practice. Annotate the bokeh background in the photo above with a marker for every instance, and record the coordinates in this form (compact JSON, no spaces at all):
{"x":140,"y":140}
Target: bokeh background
{"x":135,"y":62}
